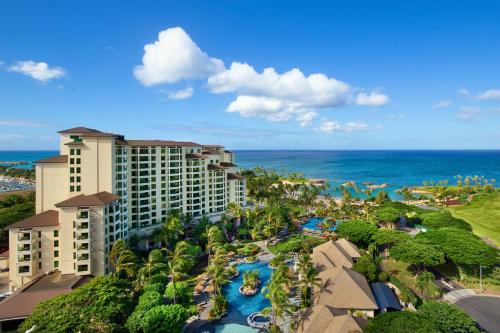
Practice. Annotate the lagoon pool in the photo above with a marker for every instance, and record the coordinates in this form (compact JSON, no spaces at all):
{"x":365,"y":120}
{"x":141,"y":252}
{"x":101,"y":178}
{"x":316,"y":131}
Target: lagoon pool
{"x":247,"y":305}
{"x":313,"y":224}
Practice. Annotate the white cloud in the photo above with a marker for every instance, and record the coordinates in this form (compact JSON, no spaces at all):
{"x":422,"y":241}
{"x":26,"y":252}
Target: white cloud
{"x":468,"y":113}
{"x":40,"y":71}
{"x":19,"y":123}
{"x":174,"y":57}
{"x":396,"y":116}
{"x":489,"y":94}
{"x":330,"y":126}
{"x":268,"y":94}
{"x":464,"y":92}
{"x":372,"y":99}
{"x":442,"y":104}
{"x":181,"y":94}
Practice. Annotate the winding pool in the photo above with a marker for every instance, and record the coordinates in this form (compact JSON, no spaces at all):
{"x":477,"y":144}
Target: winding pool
{"x":247,"y":305}
{"x":312,"y":224}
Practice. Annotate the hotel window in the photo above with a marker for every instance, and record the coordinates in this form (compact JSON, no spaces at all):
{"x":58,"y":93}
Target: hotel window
{"x":72,"y":188}
{"x":78,"y":188}
{"x":56,"y":243}
{"x":71,"y":170}
{"x":72,"y":179}
{"x":72,"y":152}
{"x":56,"y":253}
{"x":72,"y":161}
{"x":56,"y":233}
{"x":56,"y":264}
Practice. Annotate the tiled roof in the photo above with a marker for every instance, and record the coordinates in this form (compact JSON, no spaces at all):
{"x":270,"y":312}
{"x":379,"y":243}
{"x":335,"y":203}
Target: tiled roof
{"x":227,"y":164}
{"x":330,"y":255}
{"x":49,"y":218}
{"x":235,"y":176}
{"x":54,"y":159}
{"x":88,"y":132}
{"x":22,"y":302}
{"x":97,"y":199}
{"x":162,"y":143}
{"x":194,"y":155}
{"x":215,"y":167}
{"x":325,"y":319}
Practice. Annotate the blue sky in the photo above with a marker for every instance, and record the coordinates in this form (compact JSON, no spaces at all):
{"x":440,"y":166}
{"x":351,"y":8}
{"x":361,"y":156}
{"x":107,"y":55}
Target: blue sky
{"x":254,"y":74}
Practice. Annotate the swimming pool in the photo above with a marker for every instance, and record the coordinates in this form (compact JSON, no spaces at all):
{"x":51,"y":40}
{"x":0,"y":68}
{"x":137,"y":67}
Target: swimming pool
{"x":247,"y":305}
{"x":312,"y":224}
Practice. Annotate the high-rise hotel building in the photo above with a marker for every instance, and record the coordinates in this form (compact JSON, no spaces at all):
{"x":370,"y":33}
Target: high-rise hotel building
{"x":102,"y":188}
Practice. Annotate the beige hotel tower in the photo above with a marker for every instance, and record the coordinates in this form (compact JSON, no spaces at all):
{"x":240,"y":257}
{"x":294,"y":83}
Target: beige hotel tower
{"x":102,"y":188}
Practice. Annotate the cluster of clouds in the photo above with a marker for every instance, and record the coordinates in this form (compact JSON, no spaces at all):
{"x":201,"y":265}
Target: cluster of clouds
{"x":39,"y":71}
{"x":470,"y":113}
{"x":270,"y":95}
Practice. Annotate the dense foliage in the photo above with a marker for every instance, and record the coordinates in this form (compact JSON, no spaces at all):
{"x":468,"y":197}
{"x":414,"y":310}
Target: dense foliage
{"x":449,"y":317}
{"x":14,"y":208}
{"x":102,"y":305}
{"x":165,"y":319}
{"x":18,"y":172}
{"x":417,"y":253}
{"x":443,"y":219}
{"x":402,"y":322}
{"x":357,"y":231}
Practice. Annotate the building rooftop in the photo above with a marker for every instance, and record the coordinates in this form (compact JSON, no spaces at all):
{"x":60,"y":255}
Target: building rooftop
{"x":165,"y":143}
{"x":97,"y":199}
{"x":194,"y":155}
{"x":88,"y":132}
{"x":215,"y":167}
{"x":22,"y":302}
{"x":384,"y":296}
{"x":49,"y":218}
{"x":235,"y":176}
{"x":325,"y":319}
{"x":227,"y":164}
{"x":54,"y":159}
{"x":331,"y":255}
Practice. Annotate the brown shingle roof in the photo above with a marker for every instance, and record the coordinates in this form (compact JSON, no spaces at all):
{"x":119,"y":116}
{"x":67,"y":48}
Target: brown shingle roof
{"x":344,"y":288}
{"x":215,"y":167}
{"x":325,"y":319}
{"x":49,"y":218}
{"x":54,"y":159}
{"x":162,"y":143}
{"x":89,"y":132}
{"x":97,"y":199}
{"x":330,"y":255}
{"x":348,"y":247}
{"x":194,"y":155}
{"x":227,"y":164}
{"x":22,"y":302}
{"x":235,"y":176}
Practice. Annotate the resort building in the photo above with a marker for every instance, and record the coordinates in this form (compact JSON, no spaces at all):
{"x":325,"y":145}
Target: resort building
{"x":103,"y":187}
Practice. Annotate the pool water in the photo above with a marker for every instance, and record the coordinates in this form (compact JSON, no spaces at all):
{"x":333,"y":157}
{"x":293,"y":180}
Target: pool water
{"x":313,"y":222}
{"x":234,"y":328}
{"x":247,"y":305}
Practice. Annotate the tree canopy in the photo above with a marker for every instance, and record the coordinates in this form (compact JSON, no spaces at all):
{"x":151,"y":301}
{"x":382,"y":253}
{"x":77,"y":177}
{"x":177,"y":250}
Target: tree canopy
{"x":417,"y":253}
{"x":402,"y":322}
{"x":389,"y":237}
{"x":165,"y":319}
{"x":443,"y":219}
{"x":102,"y":305}
{"x":449,"y":317}
{"x":357,"y":231}
{"x":461,"y":246}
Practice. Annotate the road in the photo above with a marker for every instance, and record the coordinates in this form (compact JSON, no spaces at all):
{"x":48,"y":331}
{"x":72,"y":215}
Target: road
{"x":485,"y":310}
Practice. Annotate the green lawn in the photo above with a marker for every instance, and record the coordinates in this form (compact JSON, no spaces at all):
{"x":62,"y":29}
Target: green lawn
{"x":483,"y":213}
{"x":400,"y":270}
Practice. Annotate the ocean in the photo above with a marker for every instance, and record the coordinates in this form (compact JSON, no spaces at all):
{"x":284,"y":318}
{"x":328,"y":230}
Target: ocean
{"x":397,"y":168}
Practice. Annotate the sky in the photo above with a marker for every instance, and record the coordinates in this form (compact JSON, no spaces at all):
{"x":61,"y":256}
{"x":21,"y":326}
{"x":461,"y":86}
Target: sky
{"x":253,"y":74}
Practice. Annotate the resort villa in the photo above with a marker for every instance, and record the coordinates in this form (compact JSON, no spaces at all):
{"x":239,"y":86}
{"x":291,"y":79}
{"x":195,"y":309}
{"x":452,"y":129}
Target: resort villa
{"x":345,"y":298}
{"x":103,"y":187}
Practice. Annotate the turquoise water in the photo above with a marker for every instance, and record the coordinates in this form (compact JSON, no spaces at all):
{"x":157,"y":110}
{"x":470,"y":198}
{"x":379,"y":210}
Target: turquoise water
{"x":313,"y":222}
{"x":246,"y":305}
{"x":396,"y":168}
{"x":234,"y":328}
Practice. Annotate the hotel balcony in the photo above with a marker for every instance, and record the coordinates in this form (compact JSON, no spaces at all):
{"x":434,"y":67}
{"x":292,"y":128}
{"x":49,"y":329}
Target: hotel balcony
{"x":83,"y":267}
{"x":25,"y":268}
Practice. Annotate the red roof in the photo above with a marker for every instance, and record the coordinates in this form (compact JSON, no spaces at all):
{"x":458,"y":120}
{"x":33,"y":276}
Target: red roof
{"x":97,"y":199}
{"x":54,"y":159}
{"x":49,"y":218}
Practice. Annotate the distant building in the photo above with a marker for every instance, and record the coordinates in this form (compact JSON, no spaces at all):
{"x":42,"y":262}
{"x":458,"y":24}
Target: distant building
{"x":102,"y":188}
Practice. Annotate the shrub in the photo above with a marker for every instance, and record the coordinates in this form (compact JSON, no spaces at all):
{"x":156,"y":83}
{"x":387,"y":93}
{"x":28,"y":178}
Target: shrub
{"x":183,"y":293}
{"x":164,"y":319}
{"x":449,"y":317}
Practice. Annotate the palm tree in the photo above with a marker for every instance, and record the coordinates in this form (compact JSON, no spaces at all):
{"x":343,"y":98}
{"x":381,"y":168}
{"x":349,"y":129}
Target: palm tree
{"x":178,"y":260}
{"x":277,"y":295}
{"x":156,"y":263}
{"x":218,"y":277}
{"x":171,"y":230}
{"x":236,"y":211}
{"x":308,"y":277}
{"x":424,"y":281}
{"x":214,"y":237}
{"x":122,"y":259}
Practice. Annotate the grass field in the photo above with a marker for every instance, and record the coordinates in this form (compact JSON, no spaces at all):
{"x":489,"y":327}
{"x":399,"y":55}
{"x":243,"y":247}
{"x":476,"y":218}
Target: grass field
{"x":20,"y":192}
{"x":401,"y":271}
{"x":483,"y":213}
